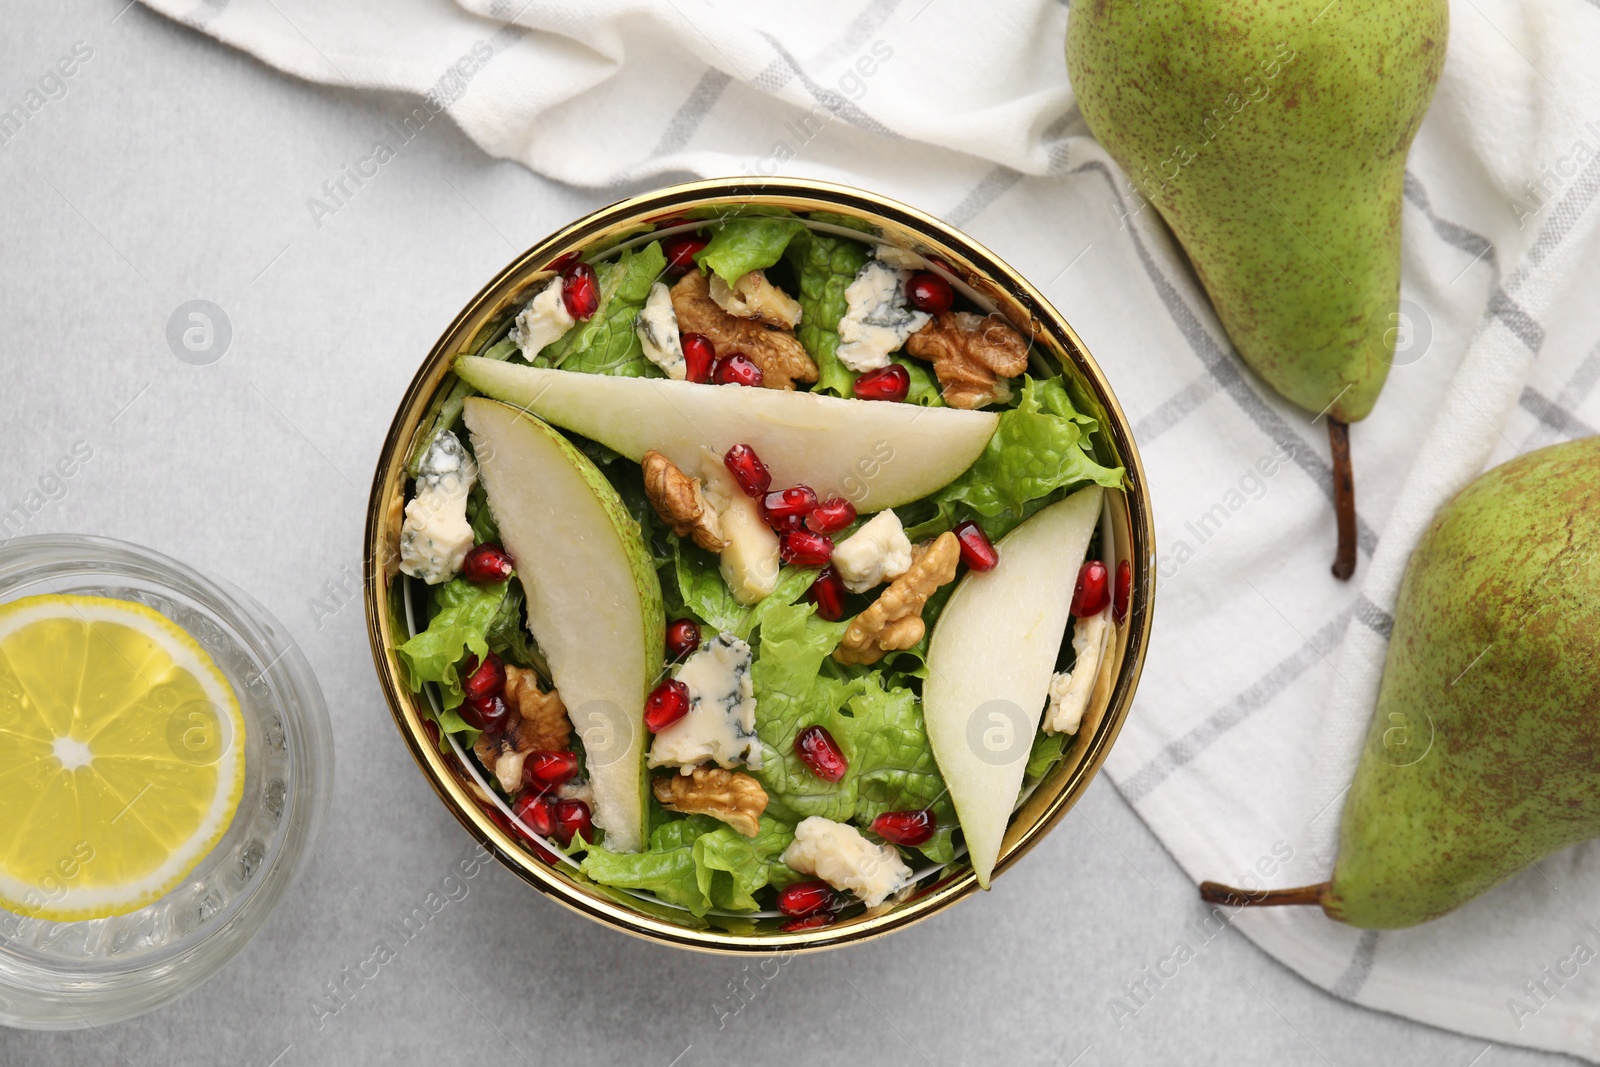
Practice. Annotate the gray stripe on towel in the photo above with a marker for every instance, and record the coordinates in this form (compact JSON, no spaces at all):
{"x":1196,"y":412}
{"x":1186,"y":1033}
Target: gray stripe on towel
{"x":1187,"y":748}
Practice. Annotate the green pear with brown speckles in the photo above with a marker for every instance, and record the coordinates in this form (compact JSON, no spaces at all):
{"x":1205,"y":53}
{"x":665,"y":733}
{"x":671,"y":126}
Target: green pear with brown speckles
{"x":1484,"y":751}
{"x":1272,"y":137}
{"x":1483,"y":756}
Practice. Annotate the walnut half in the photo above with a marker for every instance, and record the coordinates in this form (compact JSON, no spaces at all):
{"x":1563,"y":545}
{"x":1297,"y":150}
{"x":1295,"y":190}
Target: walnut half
{"x":541,"y":723}
{"x":678,"y":499}
{"x":894,"y":620}
{"x":969,"y":354}
{"x":538,"y":723}
{"x":781,"y":357}
{"x":751,"y":296}
{"x":737,"y":799}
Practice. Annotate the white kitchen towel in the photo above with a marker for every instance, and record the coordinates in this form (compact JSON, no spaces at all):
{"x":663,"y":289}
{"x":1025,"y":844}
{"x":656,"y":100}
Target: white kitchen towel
{"x":1262,"y":668}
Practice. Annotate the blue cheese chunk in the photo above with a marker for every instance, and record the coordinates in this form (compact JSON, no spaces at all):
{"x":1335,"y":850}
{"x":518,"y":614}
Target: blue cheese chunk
{"x":876,"y":322}
{"x":1070,"y":690}
{"x":878,"y":552}
{"x":838,"y":854}
{"x":436,"y":536}
{"x":721,"y":723}
{"x":657,"y":327}
{"x":542,"y":321}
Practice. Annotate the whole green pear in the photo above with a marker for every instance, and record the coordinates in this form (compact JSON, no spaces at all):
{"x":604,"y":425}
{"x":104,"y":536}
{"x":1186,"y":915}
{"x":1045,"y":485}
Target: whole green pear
{"x":1272,"y":135}
{"x":1484,"y":750}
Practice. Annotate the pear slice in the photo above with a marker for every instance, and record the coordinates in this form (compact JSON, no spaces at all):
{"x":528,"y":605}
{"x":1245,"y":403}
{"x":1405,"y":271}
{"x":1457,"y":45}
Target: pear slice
{"x":989,"y":665}
{"x":594,"y":602}
{"x":876,"y":455}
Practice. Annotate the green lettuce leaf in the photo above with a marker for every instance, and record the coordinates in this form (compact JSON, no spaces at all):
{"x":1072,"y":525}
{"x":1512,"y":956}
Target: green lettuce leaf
{"x":1037,"y":450}
{"x":893,"y":765}
{"x":502,"y":349}
{"x":480,"y":518}
{"x":924,"y":386}
{"x":741,"y":245}
{"x":879,"y":730}
{"x":464,"y":614}
{"x":509,"y":639}
{"x":1046,"y":753}
{"x":824,"y":266}
{"x":796,"y":688}
{"x":608,"y":343}
{"x":730,"y":868}
{"x":707,"y":596}
{"x":666,"y":868}
{"x":700,"y":864}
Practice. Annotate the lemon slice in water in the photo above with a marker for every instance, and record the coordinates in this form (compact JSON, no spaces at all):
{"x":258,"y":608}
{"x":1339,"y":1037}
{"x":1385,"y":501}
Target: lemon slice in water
{"x":121,"y":756}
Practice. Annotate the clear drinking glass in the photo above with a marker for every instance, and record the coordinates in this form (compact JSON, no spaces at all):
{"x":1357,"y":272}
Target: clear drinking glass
{"x":64,"y":975}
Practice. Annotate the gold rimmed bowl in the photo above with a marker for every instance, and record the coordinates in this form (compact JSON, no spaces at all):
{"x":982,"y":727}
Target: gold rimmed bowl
{"x":1127,"y":537}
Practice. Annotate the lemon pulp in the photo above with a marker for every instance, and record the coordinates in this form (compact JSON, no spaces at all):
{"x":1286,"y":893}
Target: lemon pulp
{"x":121,"y":756}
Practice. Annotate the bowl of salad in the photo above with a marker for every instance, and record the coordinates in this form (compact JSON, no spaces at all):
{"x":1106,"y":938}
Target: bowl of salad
{"x":759,"y":566}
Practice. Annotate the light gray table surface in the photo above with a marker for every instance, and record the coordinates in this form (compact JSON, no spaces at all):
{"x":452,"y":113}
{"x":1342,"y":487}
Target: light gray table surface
{"x":175,"y":169}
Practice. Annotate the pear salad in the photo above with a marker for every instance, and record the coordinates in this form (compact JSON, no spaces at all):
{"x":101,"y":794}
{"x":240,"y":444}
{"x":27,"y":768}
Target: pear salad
{"x":743,"y":562}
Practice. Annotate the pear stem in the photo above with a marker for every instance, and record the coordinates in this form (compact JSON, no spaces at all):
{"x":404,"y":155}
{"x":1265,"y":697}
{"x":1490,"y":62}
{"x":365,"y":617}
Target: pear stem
{"x":1217,"y":893}
{"x":1344,"y":499}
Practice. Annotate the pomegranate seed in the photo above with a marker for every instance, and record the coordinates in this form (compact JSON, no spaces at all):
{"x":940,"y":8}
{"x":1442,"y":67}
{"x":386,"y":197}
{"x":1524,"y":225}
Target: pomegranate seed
{"x":561,"y":263}
{"x":781,"y":525}
{"x":804,"y":548}
{"x":580,"y":291}
{"x":700,"y":355}
{"x":486,"y":563}
{"x":485,"y":679}
{"x":803,"y":898}
{"x":683,"y":637}
{"x":1090,"y":595}
{"x":666,"y":704}
{"x":827,"y":593}
{"x":930,"y":293}
{"x":832,"y":515}
{"x":1119,"y":599}
{"x":814,"y":921}
{"x":542,"y":771}
{"x":748,"y":470}
{"x":736,"y":368}
{"x":819,"y":751}
{"x":572,"y":818}
{"x":977,"y":551}
{"x":786,"y":509}
{"x":680,"y":252}
{"x":906,"y":827}
{"x":537,"y":811}
{"x":485,"y":713}
{"x":886,"y":383}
